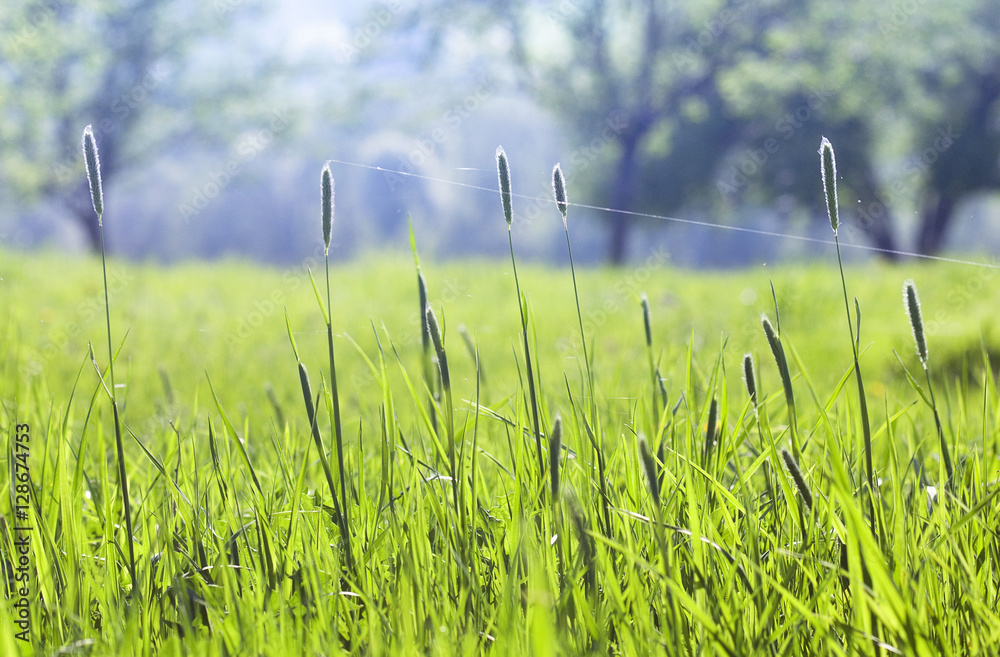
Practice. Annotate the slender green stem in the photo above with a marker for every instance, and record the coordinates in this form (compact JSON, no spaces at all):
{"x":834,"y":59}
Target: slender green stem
{"x":527,"y":361}
{"x":579,"y":317}
{"x":865,"y":422}
{"x":336,"y":404}
{"x":945,"y":452}
{"x":120,"y":448}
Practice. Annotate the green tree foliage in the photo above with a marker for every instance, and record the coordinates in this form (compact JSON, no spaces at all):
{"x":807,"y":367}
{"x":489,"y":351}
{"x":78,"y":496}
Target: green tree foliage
{"x":712,"y":102}
{"x":142,"y":72}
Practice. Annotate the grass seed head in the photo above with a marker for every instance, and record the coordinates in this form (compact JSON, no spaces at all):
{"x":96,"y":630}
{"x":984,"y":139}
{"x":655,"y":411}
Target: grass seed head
{"x":93,"y":163}
{"x":749,"y":379}
{"x":912,"y":304}
{"x":828,"y":166}
{"x":559,"y":189}
{"x":646,"y":320}
{"x":503,"y":171}
{"x":434,"y":329}
{"x":797,"y":478}
{"x":326,"y":186}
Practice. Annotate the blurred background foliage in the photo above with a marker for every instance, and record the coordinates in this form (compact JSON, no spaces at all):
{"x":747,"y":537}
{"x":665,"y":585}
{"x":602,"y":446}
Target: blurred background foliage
{"x":214,"y":118}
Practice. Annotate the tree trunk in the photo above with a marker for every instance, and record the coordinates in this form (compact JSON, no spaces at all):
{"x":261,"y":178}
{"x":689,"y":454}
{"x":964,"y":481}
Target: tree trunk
{"x":933,"y":221}
{"x":622,"y":195}
{"x":81,"y":207}
{"x":875,"y":220}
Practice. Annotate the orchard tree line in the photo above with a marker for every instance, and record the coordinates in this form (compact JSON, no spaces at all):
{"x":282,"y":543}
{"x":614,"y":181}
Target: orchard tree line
{"x":695,"y":108}
{"x":724,"y":102}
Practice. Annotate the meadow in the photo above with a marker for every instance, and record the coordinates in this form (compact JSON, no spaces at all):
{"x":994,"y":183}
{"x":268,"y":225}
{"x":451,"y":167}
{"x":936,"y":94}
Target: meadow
{"x":684,"y":478}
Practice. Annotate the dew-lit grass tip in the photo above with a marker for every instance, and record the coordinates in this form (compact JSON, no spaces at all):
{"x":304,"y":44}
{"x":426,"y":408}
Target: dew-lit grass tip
{"x":326,"y":191}
{"x":828,"y":166}
{"x":912,"y":304}
{"x":559,"y":190}
{"x":93,"y":163}
{"x":503,"y":171}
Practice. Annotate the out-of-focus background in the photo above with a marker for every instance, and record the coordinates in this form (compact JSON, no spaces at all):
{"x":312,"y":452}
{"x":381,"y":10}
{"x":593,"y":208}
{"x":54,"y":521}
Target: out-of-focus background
{"x":213,"y":120}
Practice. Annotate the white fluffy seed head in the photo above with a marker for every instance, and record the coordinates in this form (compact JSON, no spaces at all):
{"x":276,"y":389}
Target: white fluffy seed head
{"x":503,"y":172}
{"x":828,"y":167}
{"x":559,"y":190}
{"x":912,"y":304}
{"x":93,"y":163}
{"x":326,"y":193}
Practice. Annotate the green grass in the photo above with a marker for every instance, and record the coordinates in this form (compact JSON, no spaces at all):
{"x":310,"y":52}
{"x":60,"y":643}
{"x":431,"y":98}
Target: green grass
{"x":738,"y":563}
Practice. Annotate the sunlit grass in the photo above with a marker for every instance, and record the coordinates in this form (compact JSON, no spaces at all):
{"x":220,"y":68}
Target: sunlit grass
{"x":683,"y":504}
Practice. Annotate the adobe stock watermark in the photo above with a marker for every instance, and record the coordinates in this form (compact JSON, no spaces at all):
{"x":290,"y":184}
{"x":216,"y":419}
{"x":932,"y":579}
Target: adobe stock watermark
{"x":900,"y":14}
{"x":559,"y":13}
{"x":248,"y":148}
{"x":449,"y":292}
{"x":530,"y":210}
{"x":379,"y":20}
{"x":625,"y":295}
{"x":55,"y":341}
{"x":940,"y":320}
{"x":292,"y":279}
{"x":38,"y":17}
{"x":711,"y":31}
{"x":68,"y":168}
{"x":752,"y":160}
{"x":443,"y":130}
{"x":868,"y":214}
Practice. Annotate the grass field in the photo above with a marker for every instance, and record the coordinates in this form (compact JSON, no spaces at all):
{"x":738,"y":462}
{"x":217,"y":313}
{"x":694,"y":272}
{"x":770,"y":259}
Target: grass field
{"x":707,"y":546}
{"x":621,"y":462}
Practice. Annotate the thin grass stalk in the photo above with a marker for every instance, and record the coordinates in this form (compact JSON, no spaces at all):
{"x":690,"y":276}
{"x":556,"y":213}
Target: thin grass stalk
{"x":345,"y":535}
{"x":828,"y":169}
{"x":778,"y":351}
{"x":503,"y":172}
{"x":559,"y":191}
{"x":654,"y":373}
{"x":93,"y":166}
{"x":327,"y":202}
{"x":430,"y":380}
{"x":434,"y":330}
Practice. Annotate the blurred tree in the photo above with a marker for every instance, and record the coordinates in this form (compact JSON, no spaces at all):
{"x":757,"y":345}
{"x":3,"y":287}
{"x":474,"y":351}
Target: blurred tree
{"x":142,"y":72}
{"x":723,"y":101}
{"x":628,"y":78}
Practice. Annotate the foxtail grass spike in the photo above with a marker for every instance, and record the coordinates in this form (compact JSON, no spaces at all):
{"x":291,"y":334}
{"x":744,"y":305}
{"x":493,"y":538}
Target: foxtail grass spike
{"x":559,"y":190}
{"x":646,"y":320}
{"x":749,"y":379}
{"x":912,"y":303}
{"x":713,"y":418}
{"x":326,"y":186}
{"x":555,"y":451}
{"x":829,"y":170}
{"x":93,"y":172}
{"x":797,"y":478}
{"x":434,"y":330}
{"x":503,"y":171}
{"x":338,"y":507}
